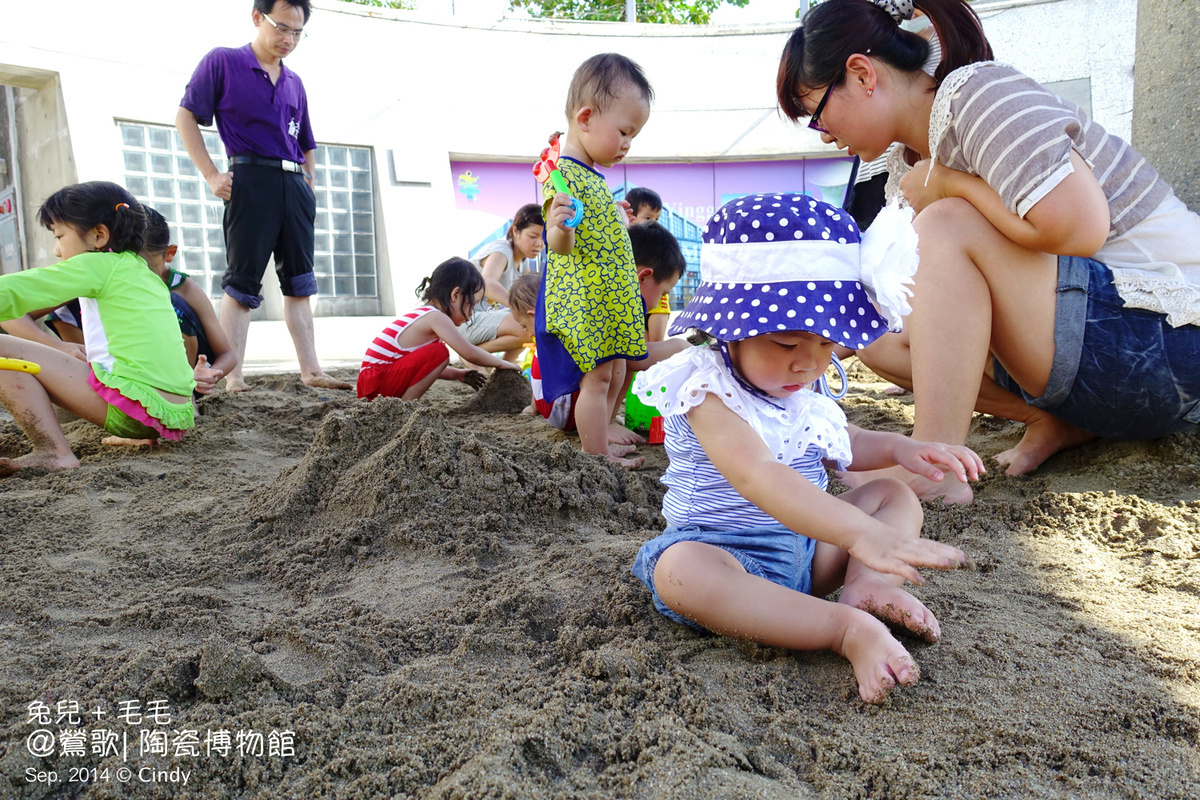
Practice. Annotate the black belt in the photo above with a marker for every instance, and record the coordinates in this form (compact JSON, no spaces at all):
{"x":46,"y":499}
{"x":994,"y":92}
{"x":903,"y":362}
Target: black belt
{"x":277,"y":163}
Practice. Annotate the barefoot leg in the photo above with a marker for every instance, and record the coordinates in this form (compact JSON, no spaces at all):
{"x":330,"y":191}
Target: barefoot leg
{"x":878,"y":594}
{"x":31,"y":400}
{"x":707,"y":584}
{"x":1044,"y":436}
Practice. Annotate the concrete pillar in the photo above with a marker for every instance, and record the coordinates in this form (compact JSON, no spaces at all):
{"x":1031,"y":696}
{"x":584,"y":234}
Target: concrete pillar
{"x":1166,"y":82}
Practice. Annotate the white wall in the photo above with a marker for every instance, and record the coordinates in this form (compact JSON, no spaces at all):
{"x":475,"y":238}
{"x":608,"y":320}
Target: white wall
{"x":430,"y":90}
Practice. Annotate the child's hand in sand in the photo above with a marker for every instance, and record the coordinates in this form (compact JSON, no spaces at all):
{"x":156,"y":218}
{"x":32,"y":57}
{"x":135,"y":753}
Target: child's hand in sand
{"x":206,"y":377}
{"x":884,"y":550}
{"x":922,"y":458}
{"x":474,"y":378}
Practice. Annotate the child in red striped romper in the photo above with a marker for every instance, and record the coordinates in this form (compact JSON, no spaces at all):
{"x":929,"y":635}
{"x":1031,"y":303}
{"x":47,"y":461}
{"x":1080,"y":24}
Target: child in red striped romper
{"x":410,"y":353}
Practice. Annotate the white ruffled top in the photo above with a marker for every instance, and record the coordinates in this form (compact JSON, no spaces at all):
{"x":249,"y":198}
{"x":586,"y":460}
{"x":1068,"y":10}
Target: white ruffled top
{"x":805,"y":419}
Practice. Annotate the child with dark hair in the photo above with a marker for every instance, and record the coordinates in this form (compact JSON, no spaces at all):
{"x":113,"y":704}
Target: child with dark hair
{"x":410,"y":353}
{"x":590,"y":318}
{"x":660,"y":265}
{"x":208,"y":348}
{"x":644,"y":205}
{"x":136,"y":382}
{"x":501,"y":261}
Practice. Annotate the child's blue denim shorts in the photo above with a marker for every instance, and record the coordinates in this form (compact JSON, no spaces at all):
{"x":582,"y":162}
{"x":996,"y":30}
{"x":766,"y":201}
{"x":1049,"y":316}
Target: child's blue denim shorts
{"x":773,"y":552}
{"x":1118,"y":373}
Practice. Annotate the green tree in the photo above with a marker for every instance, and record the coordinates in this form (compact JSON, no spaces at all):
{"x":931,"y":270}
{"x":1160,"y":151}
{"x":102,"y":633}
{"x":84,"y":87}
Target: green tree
{"x":401,"y":5}
{"x":665,"y":12}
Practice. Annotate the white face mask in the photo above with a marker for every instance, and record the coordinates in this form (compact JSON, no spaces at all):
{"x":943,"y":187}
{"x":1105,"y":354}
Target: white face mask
{"x":916,"y":24}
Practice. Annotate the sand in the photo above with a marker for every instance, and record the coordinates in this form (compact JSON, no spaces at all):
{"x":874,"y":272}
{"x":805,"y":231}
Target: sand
{"x":433,"y":600}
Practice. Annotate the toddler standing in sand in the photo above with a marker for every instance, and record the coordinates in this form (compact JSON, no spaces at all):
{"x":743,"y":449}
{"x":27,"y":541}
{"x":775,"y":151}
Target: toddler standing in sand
{"x":590,"y":312}
{"x":755,"y":542}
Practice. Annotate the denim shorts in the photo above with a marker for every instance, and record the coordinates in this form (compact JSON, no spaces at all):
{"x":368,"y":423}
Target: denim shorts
{"x":1118,"y":373}
{"x":773,"y":552}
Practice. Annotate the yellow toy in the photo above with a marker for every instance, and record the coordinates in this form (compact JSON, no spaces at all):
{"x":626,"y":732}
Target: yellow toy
{"x":20,"y":366}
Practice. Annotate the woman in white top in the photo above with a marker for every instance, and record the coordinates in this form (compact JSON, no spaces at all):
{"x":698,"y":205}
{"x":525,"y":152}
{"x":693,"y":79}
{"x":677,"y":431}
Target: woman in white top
{"x":492,"y":327}
{"x":1055,"y":264}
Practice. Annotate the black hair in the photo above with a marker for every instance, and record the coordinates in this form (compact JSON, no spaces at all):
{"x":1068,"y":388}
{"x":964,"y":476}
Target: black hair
{"x":158,"y":233}
{"x":266,"y":6}
{"x":601,"y":79}
{"x":83,"y":206}
{"x":641,"y":196}
{"x":815,"y":54}
{"x":656,"y":248}
{"x":523,"y":294}
{"x":453,"y":273}
{"x":528,"y":214}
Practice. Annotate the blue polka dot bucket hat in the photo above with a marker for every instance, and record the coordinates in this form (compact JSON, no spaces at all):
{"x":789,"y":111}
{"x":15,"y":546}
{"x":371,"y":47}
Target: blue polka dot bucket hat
{"x":790,"y":262}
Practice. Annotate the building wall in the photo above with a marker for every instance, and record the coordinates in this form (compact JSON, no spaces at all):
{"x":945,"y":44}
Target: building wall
{"x":422,"y":93}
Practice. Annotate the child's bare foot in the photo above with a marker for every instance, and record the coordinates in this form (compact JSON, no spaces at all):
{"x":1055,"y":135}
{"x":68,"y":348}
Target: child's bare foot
{"x":619,"y":434}
{"x":529,"y":409}
{"x":880,"y":662}
{"x":1044,"y":436}
{"x":323,"y":381}
{"x":38,"y":458}
{"x":627,"y":463}
{"x":121,"y":441}
{"x":877,"y":597}
{"x":895,"y":391}
{"x":950,"y":489}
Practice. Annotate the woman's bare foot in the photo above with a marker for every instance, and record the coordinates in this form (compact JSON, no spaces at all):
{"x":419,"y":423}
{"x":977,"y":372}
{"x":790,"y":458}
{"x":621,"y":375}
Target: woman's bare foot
{"x":38,"y":458}
{"x":619,"y":434}
{"x":950,"y":489}
{"x":874,"y":595}
{"x":1044,"y":436}
{"x":880,"y":662}
{"x":236,"y":386}
{"x":323,"y":381}
{"x":121,"y":441}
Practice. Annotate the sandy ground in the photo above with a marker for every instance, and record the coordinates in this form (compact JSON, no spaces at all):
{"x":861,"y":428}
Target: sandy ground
{"x":433,"y":600}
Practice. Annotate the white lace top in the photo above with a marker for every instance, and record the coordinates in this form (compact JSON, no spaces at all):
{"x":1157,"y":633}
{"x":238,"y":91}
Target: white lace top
{"x":990,"y":120}
{"x":802,"y":431}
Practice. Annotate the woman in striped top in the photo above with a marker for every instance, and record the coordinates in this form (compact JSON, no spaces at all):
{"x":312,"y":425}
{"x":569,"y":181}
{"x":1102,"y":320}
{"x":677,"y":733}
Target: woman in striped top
{"x":410,"y":353}
{"x":754,"y":542}
{"x":1055,"y":263}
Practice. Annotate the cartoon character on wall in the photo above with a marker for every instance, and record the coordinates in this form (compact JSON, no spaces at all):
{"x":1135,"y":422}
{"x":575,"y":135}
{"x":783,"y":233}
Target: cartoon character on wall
{"x":468,"y":186}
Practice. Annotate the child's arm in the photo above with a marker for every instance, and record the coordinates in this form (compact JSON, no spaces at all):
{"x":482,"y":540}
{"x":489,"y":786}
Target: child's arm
{"x":1071,"y":220}
{"x":742,"y":457}
{"x":448,"y":332}
{"x":25,"y":327}
{"x":880,"y":449}
{"x":560,"y":238}
{"x":224,"y":357}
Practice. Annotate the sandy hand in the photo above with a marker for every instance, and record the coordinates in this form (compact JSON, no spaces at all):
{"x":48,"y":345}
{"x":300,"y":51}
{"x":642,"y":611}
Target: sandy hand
{"x":205,"y":376}
{"x":897,"y":556}
{"x":474,"y":379}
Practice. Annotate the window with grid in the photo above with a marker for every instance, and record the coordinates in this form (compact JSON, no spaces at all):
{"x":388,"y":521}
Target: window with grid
{"x":159,"y":173}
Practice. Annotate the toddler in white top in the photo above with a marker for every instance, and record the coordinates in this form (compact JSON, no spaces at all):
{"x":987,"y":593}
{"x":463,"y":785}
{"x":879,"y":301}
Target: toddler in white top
{"x":754,"y":541}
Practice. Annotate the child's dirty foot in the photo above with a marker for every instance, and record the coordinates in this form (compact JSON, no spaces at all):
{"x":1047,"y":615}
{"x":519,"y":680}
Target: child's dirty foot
{"x":323,"y":381}
{"x":529,"y":409}
{"x":880,"y":662}
{"x":627,"y":463}
{"x":121,"y":441}
{"x":619,"y":434}
{"x":38,"y":458}
{"x":1044,"y":436}
{"x":892,"y":604}
{"x":950,"y":489}
{"x":619,"y":450}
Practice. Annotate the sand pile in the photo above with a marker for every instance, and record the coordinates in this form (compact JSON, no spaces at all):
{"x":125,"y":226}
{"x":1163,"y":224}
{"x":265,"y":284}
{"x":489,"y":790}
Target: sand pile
{"x":437,"y":604}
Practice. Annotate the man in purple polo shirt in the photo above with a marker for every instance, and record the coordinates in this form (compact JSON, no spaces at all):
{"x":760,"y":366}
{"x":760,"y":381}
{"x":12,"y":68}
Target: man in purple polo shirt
{"x":262,"y":116}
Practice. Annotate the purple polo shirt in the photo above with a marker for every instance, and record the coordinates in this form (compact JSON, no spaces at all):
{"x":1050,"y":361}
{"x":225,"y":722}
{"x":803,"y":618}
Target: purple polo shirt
{"x":253,"y":115}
